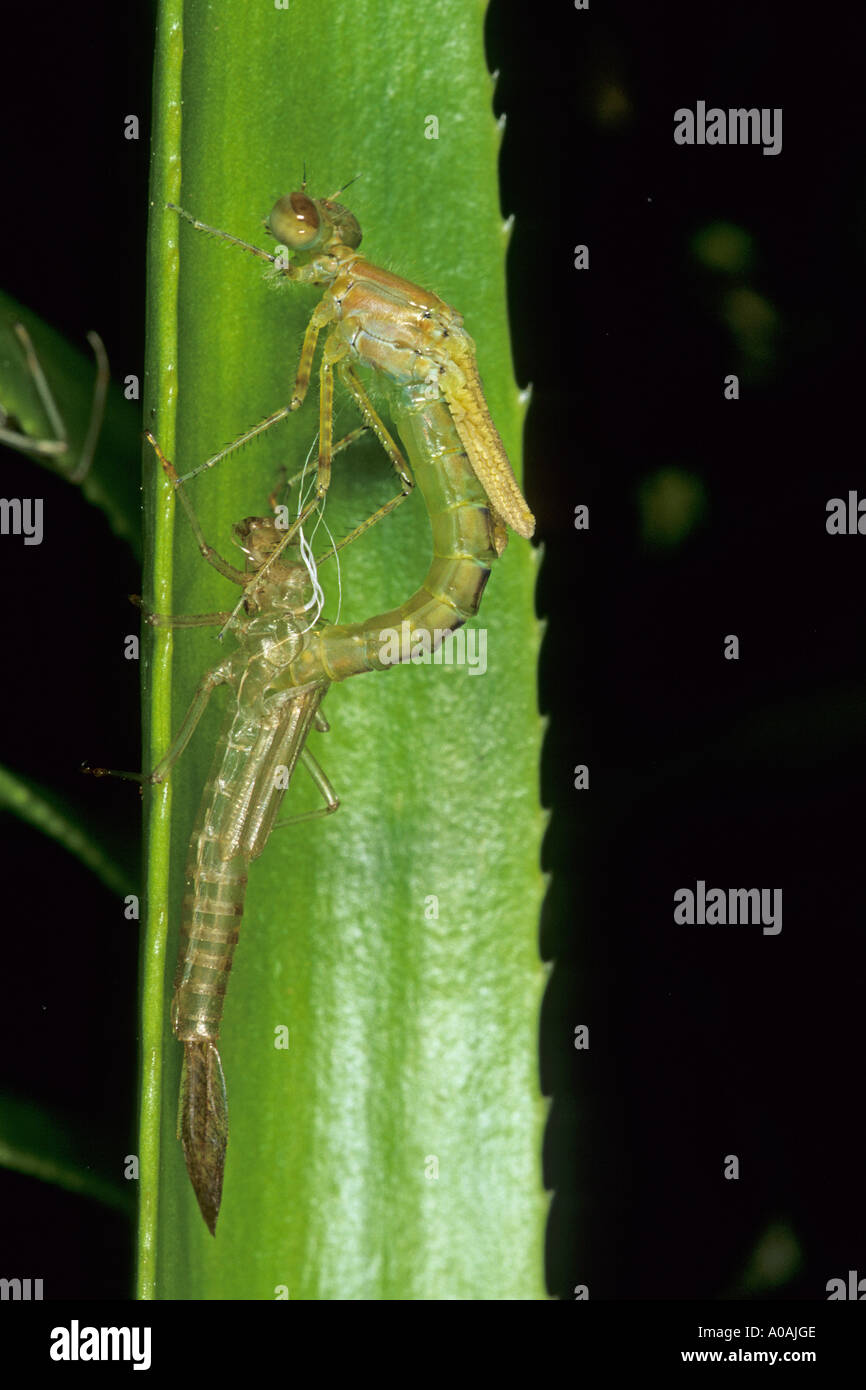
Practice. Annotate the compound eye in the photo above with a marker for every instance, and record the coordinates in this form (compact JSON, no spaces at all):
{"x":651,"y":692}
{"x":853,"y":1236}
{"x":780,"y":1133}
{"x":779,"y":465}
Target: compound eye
{"x":294,"y":221}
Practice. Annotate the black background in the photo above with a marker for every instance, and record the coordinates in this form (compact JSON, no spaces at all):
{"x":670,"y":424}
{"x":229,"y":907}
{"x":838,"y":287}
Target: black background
{"x":704,"y":1041}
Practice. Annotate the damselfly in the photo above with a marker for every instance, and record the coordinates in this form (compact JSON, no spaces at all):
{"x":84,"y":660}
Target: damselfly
{"x":409,"y":335}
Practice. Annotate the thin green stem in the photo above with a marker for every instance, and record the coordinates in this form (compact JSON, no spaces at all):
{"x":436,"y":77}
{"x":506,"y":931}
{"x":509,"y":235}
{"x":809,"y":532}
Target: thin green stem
{"x":160,"y":407}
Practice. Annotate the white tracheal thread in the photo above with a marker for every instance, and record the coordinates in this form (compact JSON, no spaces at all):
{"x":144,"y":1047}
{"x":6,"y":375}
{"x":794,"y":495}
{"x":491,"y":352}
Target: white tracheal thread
{"x":306,"y":553}
{"x":306,"y":550}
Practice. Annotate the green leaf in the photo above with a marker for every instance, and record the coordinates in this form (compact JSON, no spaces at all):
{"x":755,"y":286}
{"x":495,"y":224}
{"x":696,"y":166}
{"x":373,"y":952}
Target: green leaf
{"x":393,"y":1151}
{"x":41,"y":1145}
{"x":49,"y":813}
{"x":112,"y":482}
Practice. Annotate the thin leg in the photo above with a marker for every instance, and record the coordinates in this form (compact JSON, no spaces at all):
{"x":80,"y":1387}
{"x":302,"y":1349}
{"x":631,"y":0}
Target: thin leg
{"x":205,"y":688}
{"x":399,"y":464}
{"x":212,"y":556}
{"x":178,"y":620}
{"x":344,"y":443}
{"x":279,"y":486}
{"x":224,"y":236}
{"x":284,"y":484}
{"x":198,"y":704}
{"x":326,"y":415}
{"x":372,"y":421}
{"x":304,"y":275}
{"x":242,"y":439}
{"x":323,"y":467}
{"x":334,"y":354}
{"x":329,"y":795}
{"x":323,"y":314}
{"x":347,"y":440}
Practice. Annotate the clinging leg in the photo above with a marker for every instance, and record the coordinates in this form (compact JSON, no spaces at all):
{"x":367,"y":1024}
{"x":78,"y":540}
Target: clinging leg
{"x":332,"y":801}
{"x":206,"y":686}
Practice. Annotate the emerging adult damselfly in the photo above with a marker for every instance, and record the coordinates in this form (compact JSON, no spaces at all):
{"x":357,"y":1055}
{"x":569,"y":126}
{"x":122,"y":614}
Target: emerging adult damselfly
{"x":413,"y":338}
{"x":284,"y":663}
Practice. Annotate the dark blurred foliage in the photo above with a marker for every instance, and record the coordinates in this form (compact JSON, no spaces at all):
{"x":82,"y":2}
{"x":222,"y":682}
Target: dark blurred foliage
{"x":72,"y":249}
{"x":706,"y":518}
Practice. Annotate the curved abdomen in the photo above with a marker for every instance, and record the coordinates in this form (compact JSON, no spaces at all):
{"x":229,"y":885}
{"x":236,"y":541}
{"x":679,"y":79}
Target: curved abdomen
{"x":466,"y":542}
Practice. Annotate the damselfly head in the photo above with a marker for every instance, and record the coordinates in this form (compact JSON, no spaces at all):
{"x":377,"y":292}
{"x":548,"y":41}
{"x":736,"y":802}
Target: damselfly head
{"x":258,"y":537}
{"x":312,"y":224}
